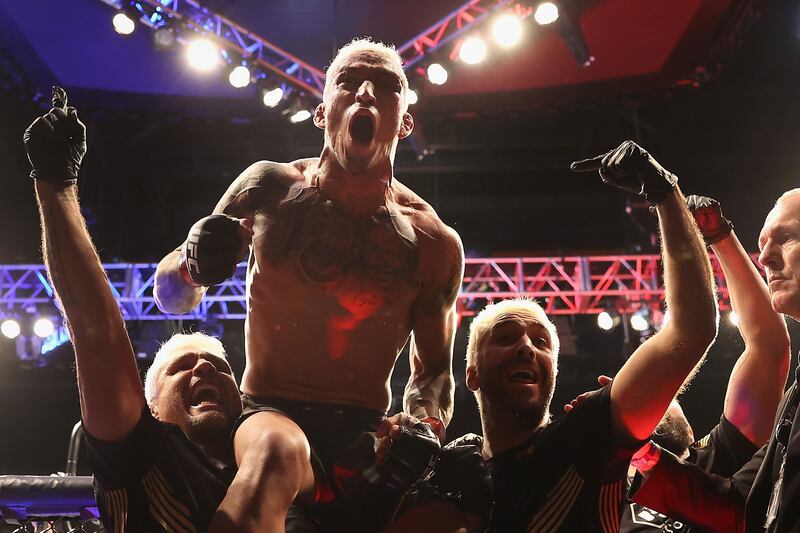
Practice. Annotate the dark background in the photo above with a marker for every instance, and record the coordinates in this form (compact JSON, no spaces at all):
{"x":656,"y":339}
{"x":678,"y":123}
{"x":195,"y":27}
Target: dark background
{"x":499,"y":176}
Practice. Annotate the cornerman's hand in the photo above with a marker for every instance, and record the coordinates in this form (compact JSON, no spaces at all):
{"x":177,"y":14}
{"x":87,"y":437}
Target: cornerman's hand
{"x":56,"y":142}
{"x":631,"y":168}
{"x":601,"y":379}
{"x":708,"y":214}
{"x":407,"y":451}
{"x":214,"y":246}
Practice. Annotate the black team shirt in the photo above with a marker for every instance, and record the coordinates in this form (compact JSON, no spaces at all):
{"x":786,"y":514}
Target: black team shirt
{"x":568,"y":477}
{"x":156,"y":480}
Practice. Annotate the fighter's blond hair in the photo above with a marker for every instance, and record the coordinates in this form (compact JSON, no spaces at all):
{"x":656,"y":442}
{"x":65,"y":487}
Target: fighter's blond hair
{"x":483,"y":322}
{"x":171,"y":348}
{"x":784,"y":196}
{"x":366,"y":45}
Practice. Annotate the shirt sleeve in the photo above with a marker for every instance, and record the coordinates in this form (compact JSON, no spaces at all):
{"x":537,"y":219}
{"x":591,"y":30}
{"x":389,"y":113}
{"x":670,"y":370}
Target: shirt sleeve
{"x":682,"y":490}
{"x":116,"y":465}
{"x":724,"y":450}
{"x":592,"y":435}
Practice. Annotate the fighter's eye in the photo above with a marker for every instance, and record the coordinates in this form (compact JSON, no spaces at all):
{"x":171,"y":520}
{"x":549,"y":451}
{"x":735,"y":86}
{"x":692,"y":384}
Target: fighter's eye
{"x":541,"y":342}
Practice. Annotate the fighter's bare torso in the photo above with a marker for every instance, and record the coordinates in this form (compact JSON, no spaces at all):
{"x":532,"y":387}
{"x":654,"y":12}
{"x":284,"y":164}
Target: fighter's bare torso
{"x":332,"y":296}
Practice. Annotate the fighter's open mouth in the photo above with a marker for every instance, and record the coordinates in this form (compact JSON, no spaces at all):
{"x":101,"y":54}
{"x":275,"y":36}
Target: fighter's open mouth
{"x":362,"y":129}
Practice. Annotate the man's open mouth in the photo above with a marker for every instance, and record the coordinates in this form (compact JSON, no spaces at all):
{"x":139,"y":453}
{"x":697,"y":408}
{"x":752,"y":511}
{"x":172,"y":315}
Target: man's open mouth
{"x":362,"y":129}
{"x":204,"y":394}
{"x":522,"y":376}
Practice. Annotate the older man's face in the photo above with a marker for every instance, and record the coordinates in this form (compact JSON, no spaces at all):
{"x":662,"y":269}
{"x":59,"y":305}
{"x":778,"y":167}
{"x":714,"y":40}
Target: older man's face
{"x":196,"y":392}
{"x":779,"y":243}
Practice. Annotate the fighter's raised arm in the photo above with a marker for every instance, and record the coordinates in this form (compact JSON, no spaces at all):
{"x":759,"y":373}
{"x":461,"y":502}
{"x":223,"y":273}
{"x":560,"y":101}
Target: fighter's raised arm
{"x":212,"y":249}
{"x":111,"y":391}
{"x":650,"y":379}
{"x":756,"y":383}
{"x":429,"y":392}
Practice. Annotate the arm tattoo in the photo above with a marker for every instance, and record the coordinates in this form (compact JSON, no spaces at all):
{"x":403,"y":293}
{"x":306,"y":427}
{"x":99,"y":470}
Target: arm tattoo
{"x":430,"y":397}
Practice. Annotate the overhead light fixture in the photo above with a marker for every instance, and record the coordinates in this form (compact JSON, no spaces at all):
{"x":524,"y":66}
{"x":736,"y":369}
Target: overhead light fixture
{"x":546,"y":13}
{"x":472,"y":50}
{"x":639,"y":322}
{"x":605,"y":321}
{"x":10,"y":328}
{"x":123,"y":24}
{"x":271,"y":97}
{"x":301,"y":115}
{"x":507,"y":30}
{"x":411,"y":96}
{"x":239,"y":76}
{"x":43,"y":327}
{"x":203,"y":55}
{"x":570,"y":31}
{"x":437,"y":74}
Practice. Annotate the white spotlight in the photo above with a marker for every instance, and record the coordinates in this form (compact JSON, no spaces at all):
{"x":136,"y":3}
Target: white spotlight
{"x":272,"y":97}
{"x":472,"y":51}
{"x":300,"y":116}
{"x":546,"y":13}
{"x":123,"y":24}
{"x":437,"y":74}
{"x":733,"y":318}
{"x":605,"y":321}
{"x":638,"y":322}
{"x":202,"y":54}
{"x":507,"y":30}
{"x":412,"y":97}
{"x":43,"y":327}
{"x":10,"y":328}
{"x":239,"y":77}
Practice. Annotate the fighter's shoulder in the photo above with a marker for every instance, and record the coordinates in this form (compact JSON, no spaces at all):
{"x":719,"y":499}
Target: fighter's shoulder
{"x":269,"y":174}
{"x":425,"y":220}
{"x":440,"y":248}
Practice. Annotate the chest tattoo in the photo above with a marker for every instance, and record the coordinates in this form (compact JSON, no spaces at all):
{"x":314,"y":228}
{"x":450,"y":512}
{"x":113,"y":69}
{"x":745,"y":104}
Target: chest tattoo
{"x":329,"y":247}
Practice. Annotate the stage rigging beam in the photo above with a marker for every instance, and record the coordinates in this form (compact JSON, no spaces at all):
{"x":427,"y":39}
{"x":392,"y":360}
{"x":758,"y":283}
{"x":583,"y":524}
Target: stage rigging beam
{"x":566,"y":286}
{"x":232,"y":37}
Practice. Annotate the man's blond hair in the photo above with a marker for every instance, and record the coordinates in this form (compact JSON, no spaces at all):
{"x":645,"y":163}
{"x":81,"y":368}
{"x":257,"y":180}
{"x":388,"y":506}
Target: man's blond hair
{"x":170,"y":349}
{"x":483,"y":322}
{"x":366,"y":45}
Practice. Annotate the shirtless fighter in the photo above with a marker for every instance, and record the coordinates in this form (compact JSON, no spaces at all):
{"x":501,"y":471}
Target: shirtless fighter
{"x":345,"y":263}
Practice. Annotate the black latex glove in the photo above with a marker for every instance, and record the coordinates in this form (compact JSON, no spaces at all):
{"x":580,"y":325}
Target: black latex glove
{"x":212,"y":250}
{"x":56,"y":142}
{"x":631,"y":168}
{"x":708,"y":214}
{"x":462,"y":474}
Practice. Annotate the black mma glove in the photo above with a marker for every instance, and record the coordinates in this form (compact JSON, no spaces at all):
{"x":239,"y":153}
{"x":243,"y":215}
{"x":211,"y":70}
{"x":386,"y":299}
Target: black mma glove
{"x":708,"y":214}
{"x":211,"y":251}
{"x":462,"y":475}
{"x":56,"y":143}
{"x":411,"y":457}
{"x":629,"y":167}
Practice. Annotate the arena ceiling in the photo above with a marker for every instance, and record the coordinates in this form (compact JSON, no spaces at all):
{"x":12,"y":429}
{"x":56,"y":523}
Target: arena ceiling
{"x":637,"y":45}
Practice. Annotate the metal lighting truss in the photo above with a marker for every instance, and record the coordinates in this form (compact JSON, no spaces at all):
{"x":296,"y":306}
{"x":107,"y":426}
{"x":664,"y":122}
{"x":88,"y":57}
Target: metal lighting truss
{"x":231,"y":37}
{"x":565,"y":285}
{"x":452,"y":26}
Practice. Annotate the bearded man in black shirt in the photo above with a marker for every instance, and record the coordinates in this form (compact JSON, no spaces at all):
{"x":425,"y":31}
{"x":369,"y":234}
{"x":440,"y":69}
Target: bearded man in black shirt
{"x":569,"y":475}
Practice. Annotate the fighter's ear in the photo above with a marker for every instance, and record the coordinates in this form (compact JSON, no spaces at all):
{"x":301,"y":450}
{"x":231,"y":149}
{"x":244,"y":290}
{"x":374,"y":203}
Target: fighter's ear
{"x":472,"y":379}
{"x":406,"y":126}
{"x":319,"y":116}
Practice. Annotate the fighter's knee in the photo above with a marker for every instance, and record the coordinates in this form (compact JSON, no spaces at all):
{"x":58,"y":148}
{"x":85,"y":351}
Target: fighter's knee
{"x":271,"y":443}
